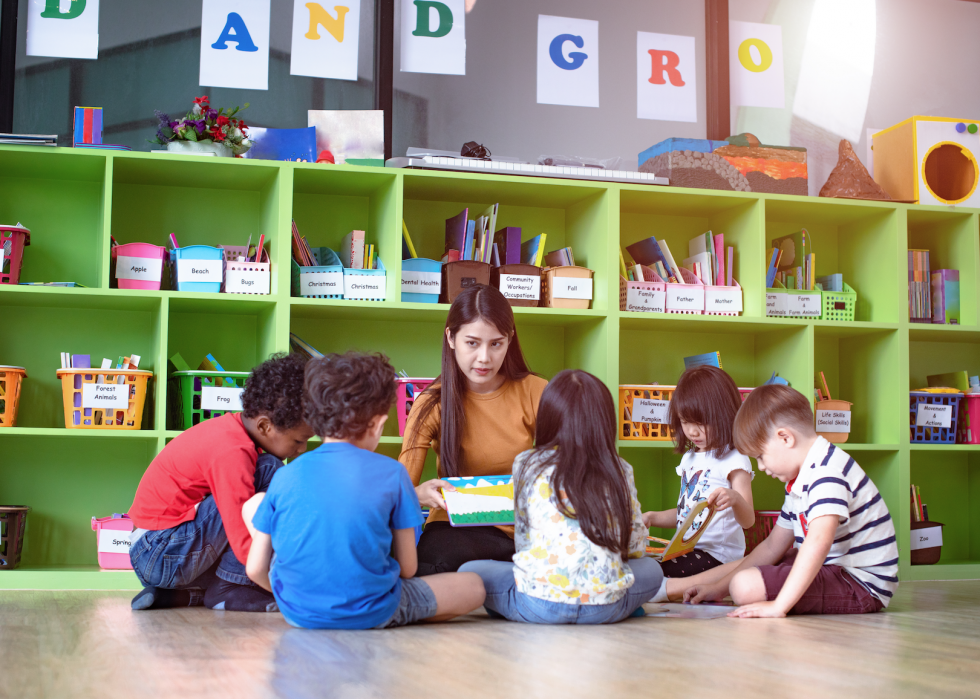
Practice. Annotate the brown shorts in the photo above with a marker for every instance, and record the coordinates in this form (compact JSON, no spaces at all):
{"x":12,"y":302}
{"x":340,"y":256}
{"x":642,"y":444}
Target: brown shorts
{"x":833,"y":591}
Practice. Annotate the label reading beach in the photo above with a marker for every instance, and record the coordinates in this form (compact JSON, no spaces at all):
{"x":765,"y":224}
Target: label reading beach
{"x":215,"y":398}
{"x":114,"y":396}
{"x":364,"y":286}
{"x":421,"y":282}
{"x":572,"y":288}
{"x":934,"y":415}
{"x":200,"y":270}
{"x":803,"y":305}
{"x":775,"y":304}
{"x":834,"y":421}
{"x":927,"y":538}
{"x":142,"y":269}
{"x":723,"y":299}
{"x":247,"y":281}
{"x":648,"y":300}
{"x":114,"y":541}
{"x":647,"y":410}
{"x":321,"y":283}
{"x":685,"y":297}
{"x":526,"y":287}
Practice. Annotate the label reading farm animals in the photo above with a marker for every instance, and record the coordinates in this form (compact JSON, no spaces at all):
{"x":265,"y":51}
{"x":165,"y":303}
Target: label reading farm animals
{"x":221,"y":398}
{"x":321,"y":283}
{"x":247,"y":281}
{"x":934,"y":415}
{"x":572,"y":288}
{"x":803,"y":305}
{"x":722,"y":299}
{"x":685,"y":297}
{"x":144,"y":269}
{"x":526,"y":287}
{"x":200,"y":270}
{"x":364,"y":286}
{"x":114,"y":396}
{"x":927,"y":538}
{"x":115,"y":541}
{"x":647,"y":410}
{"x":775,"y":304}
{"x":649,"y":300}
{"x":834,"y":421}
{"x":421,"y":282}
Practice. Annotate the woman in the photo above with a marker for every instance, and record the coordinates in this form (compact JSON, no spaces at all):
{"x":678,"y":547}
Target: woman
{"x":478,"y":415}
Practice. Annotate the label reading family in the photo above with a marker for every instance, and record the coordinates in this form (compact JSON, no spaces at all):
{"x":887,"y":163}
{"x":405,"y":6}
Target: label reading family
{"x":200,"y":270}
{"x":523,"y":286}
{"x":247,"y":281}
{"x":927,"y":538}
{"x":648,"y":300}
{"x":421,"y":282}
{"x":321,"y":283}
{"x":572,"y":288}
{"x":834,"y":421}
{"x":114,"y":396}
{"x":114,"y":541}
{"x":221,"y":398}
{"x":647,"y":410}
{"x":364,"y":286}
{"x":934,"y":415}
{"x":143,"y":269}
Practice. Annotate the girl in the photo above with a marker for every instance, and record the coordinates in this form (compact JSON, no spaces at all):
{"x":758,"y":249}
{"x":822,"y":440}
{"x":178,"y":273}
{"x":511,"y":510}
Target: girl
{"x":477,"y":416}
{"x":578,"y":519}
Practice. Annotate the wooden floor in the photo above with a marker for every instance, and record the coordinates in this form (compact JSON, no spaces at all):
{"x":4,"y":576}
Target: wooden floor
{"x":89,"y":644}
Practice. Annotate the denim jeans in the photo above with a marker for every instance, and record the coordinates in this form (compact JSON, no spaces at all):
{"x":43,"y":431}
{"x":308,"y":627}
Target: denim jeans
{"x":191,"y":555}
{"x":503,"y":599}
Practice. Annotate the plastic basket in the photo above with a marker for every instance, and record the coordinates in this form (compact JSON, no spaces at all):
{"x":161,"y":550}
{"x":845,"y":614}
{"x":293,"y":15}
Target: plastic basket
{"x":838,"y":305}
{"x":765,"y":520}
{"x":649,"y":296}
{"x":461,"y":274}
{"x":525,"y":291}
{"x":137,"y":252}
{"x":644,"y":431}
{"x":723,"y":300}
{"x":363,"y":284}
{"x":933,"y":435}
{"x":13,"y":522}
{"x":187,"y":391}
{"x":552,"y":298}
{"x":13,"y":240}
{"x":113,"y":548}
{"x":406,"y":393}
{"x":424,"y":274}
{"x":78,"y":417}
{"x":837,"y":405}
{"x":258,"y":273}
{"x":197,"y":252}
{"x":678,"y":295}
{"x":777,"y":303}
{"x":969,"y":420}
{"x":11,"y":378}
{"x":327,"y":278}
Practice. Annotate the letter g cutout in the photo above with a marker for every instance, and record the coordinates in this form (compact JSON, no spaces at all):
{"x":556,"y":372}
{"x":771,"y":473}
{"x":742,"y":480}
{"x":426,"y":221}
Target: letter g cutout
{"x":577,"y":58}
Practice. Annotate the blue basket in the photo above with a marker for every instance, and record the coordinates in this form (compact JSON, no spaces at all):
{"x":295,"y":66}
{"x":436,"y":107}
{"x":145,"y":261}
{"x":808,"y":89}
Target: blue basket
{"x":321,"y":255}
{"x":422,"y":264}
{"x":933,"y":435}
{"x":197,"y":252}
{"x":354,"y":276}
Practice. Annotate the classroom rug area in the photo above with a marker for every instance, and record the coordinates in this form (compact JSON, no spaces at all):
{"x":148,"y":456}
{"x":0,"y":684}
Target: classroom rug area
{"x":89,"y":644}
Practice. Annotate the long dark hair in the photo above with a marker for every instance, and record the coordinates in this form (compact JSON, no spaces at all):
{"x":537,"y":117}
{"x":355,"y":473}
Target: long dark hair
{"x":478,"y":302}
{"x":707,"y":396}
{"x":576,"y":432}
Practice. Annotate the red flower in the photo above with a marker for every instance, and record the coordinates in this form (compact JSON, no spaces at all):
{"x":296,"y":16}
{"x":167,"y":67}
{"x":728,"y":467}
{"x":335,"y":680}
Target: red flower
{"x":203,"y":101}
{"x":217,"y":135}
{"x":222,"y":120}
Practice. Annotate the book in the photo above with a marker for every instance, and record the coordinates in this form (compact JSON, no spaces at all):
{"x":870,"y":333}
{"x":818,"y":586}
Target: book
{"x":622,"y":263}
{"x":562,"y":257}
{"x":496,"y":256}
{"x":532,"y":251}
{"x":669,"y":263}
{"x":701,"y":265}
{"x":946,"y":297}
{"x":408,"y":249}
{"x":81,"y":361}
{"x":730,"y":266}
{"x":772,"y":264}
{"x":490,"y":219}
{"x":508,"y":242}
{"x":467,"y":252}
{"x":683,"y":540}
{"x":480,"y":501}
{"x":300,"y":346}
{"x":708,"y":358}
{"x":456,"y":233}
{"x":720,"y":255}
{"x":920,"y":287}
{"x":832,"y":282}
{"x":794,"y":249}
{"x":645,"y":252}
{"x":956,"y":379}
{"x":702,"y":251}
{"x":177,"y":361}
{"x":352,"y":250}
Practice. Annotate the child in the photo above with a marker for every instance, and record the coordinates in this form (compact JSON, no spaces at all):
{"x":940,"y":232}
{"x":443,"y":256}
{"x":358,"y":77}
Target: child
{"x":192,"y":543}
{"x":702,"y":412}
{"x":342,"y":519}
{"x":578,"y":519}
{"x":844,"y":558}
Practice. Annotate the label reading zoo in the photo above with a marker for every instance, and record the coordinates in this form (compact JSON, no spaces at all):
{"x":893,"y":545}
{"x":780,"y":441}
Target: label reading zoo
{"x":114,"y":541}
{"x":572,"y":288}
{"x":934,"y":415}
{"x":321,"y":283}
{"x":803,"y":305}
{"x":144,"y":269}
{"x":685,"y":297}
{"x":227,"y":399}
{"x":247,"y":281}
{"x":649,"y":300}
{"x":833,"y":421}
{"x":927,"y":538}
{"x":364,"y":286}
{"x":114,"y":396}
{"x":647,"y":410}
{"x":775,"y":304}
{"x":421,"y":282}
{"x":526,"y":287}
{"x":200,"y":270}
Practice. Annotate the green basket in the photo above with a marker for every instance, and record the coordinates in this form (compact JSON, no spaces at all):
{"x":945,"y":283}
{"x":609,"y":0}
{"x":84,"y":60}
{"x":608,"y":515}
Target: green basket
{"x":186,"y":392}
{"x":838,"y":305}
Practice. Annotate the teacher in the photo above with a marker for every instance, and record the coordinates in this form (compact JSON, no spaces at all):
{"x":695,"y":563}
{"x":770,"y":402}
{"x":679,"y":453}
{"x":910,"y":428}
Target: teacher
{"x":478,"y":415}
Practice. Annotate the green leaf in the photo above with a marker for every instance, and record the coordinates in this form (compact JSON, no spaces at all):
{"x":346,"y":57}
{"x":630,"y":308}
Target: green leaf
{"x":189,"y":133}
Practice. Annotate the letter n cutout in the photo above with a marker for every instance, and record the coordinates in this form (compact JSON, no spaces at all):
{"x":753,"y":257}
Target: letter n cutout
{"x":320,"y":17}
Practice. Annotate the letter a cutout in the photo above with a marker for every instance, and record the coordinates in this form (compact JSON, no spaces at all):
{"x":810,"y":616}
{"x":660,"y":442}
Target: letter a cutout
{"x":241,"y":37}
{"x":422,"y":27}
{"x":665,"y":62}
{"x":320,"y":17}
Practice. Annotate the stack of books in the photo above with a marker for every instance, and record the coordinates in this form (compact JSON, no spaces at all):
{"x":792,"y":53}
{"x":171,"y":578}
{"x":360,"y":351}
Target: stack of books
{"x":920,"y":299}
{"x":27,"y":139}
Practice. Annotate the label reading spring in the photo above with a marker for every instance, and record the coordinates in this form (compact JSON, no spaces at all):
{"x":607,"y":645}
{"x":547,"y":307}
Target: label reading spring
{"x":321,"y":283}
{"x":927,"y":538}
{"x":648,"y":300}
{"x":834,"y":421}
{"x":115,"y":541}
{"x":221,"y":398}
{"x":365,"y":286}
{"x":934,"y":415}
{"x":647,"y":410}
{"x":114,"y":396}
{"x":200,"y":270}
{"x":143,"y":269}
{"x":247,"y":281}
{"x":526,"y":287}
{"x":421,"y":282}
{"x":571,"y":288}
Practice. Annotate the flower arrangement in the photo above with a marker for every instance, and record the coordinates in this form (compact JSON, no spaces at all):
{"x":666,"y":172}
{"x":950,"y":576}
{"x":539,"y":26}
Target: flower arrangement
{"x":205,"y":124}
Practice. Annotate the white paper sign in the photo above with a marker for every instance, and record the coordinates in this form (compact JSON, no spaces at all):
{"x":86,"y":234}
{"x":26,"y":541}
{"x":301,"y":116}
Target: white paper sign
{"x":571,"y":288}
{"x":433,"y":36}
{"x":928,"y":538}
{"x":247,"y":281}
{"x":775,"y":304}
{"x":756,"y":65}
{"x":649,"y":300}
{"x":685,"y":297}
{"x":666,"y":77}
{"x":235,"y":44}
{"x":803,"y":305}
{"x":63,"y":28}
{"x":114,"y":396}
{"x":934,"y":415}
{"x":568,"y":61}
{"x":521,"y":286}
{"x":321,"y":283}
{"x":834,"y":421}
{"x":114,"y":541}
{"x":199,"y":271}
{"x":723,"y":299}
{"x":421,"y":282}
{"x":325,"y":39}
{"x":221,"y":398}
{"x":144,"y":269}
{"x":647,"y":410}
{"x":364,"y":286}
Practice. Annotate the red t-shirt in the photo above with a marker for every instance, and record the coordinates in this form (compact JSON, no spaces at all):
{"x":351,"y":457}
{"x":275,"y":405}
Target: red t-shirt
{"x":215,"y":457}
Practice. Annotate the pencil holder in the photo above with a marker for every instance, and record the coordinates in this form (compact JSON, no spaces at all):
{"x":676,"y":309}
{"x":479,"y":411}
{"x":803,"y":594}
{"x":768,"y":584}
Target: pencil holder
{"x":566,"y":287}
{"x":322,"y":281}
{"x":366,"y":284}
{"x":723,"y":300}
{"x":13,"y":522}
{"x":838,"y":305}
{"x":103,"y":399}
{"x":686,"y":298}
{"x":421,"y":280}
{"x":765,"y":520}
{"x":968,"y":431}
{"x":933,"y":416}
{"x":647,"y":296}
{"x":113,"y":537}
{"x":833,"y":420}
{"x":519,"y":283}
{"x":13,"y":240}
{"x":643,"y":411}
{"x":926,"y":543}
{"x":245,"y":277}
{"x":196,"y":396}
{"x":407,"y":391}
{"x":461,"y":274}
{"x":138,"y":266}
{"x":198,"y":268}
{"x":11,"y":378}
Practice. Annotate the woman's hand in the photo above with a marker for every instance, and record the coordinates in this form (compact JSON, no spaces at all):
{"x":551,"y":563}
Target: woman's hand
{"x":429,"y":495}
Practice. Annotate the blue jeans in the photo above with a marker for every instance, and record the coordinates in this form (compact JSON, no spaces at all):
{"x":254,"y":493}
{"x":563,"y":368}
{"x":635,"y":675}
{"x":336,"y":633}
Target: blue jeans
{"x":503,"y":599}
{"x":192,"y":555}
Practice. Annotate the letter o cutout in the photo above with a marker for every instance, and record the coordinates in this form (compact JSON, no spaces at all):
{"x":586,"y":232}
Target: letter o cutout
{"x":745,"y":56}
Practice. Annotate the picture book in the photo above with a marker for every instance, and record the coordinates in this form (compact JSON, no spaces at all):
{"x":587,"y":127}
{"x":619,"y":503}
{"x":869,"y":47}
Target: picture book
{"x":645,"y":252}
{"x":408,"y":249}
{"x":679,"y":545}
{"x":456,"y":232}
{"x":508,"y":242}
{"x":467,"y":251}
{"x":920,"y":282}
{"x":831,"y":282}
{"x":701,"y":250}
{"x":352,"y":250}
{"x":490,"y":218}
{"x":720,"y":278}
{"x":794,"y":249}
{"x":480,"y":501}
{"x":622,"y":264}
{"x":956,"y":379}
{"x":708,"y":358}
{"x":532,"y":251}
{"x":301,"y":346}
{"x":668,"y":260}
{"x":560,"y":258}
{"x":946,"y":297}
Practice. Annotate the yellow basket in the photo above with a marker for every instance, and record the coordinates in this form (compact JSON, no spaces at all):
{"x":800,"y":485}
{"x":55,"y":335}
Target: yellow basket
{"x":81,"y":418}
{"x":10,"y":381}
{"x":645,"y":431}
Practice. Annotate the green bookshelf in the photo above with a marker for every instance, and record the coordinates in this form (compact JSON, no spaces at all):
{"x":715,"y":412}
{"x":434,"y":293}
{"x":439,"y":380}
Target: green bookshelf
{"x":73,"y":201}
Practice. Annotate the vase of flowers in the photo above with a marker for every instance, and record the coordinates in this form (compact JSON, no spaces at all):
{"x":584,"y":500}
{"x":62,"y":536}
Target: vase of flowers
{"x":203,"y":130}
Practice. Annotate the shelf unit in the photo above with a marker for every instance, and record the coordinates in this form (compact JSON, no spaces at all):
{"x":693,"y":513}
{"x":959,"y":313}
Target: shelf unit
{"x":74,"y":200}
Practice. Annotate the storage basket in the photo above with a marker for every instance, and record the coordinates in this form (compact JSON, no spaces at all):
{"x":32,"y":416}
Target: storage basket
{"x":765,"y":520}
{"x":195,"y":396}
{"x":13,"y":240}
{"x":245,"y":277}
{"x":461,"y":274}
{"x":407,"y":391}
{"x":113,"y":539}
{"x":138,"y":266}
{"x":203,"y":253}
{"x":927,"y":547}
{"x":11,"y":378}
{"x":929,"y":434}
{"x":969,"y":420}
{"x":778,"y":302}
{"x":838,"y":305}
{"x":647,"y":296}
{"x":519,"y":283}
{"x":366,"y":284}
{"x":723,"y":300}
{"x":686,"y":299}
{"x":13,"y":522}
{"x":78,"y":417}
{"x":554,"y":296}
{"x":327,"y":277}
{"x":421,"y":280}
{"x":629,"y":394}
{"x":837,"y":406}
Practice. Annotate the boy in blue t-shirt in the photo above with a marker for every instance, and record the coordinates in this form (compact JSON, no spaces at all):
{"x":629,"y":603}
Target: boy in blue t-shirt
{"x":341,"y":519}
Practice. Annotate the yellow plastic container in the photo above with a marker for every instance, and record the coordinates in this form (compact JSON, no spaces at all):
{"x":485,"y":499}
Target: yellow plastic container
{"x":642,"y":431}
{"x":78,"y":417}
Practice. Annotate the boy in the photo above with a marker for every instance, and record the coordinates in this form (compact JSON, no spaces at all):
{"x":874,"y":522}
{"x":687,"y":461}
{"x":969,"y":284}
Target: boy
{"x":192,"y":543}
{"x":844,"y":560}
{"x":342,"y":519}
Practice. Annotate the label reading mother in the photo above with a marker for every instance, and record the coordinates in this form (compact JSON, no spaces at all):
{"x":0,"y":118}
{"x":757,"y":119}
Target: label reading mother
{"x":834,"y":421}
{"x":143,"y":269}
{"x":934,"y":415}
{"x":649,"y":300}
{"x":803,"y":305}
{"x":114,"y":541}
{"x":200,"y":270}
{"x":421,"y":282}
{"x":775,"y":304}
{"x":927,"y":538}
{"x":364,"y":286}
{"x":685,"y":297}
{"x":647,"y":410}
{"x":572,"y":288}
{"x":321,"y":283}
{"x":221,"y":398}
{"x":526,"y":287}
{"x":114,"y":396}
{"x":723,"y":299}
{"x":247,"y":281}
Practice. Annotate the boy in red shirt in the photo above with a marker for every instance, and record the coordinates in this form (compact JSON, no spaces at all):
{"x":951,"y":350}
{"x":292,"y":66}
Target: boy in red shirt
{"x":192,"y":543}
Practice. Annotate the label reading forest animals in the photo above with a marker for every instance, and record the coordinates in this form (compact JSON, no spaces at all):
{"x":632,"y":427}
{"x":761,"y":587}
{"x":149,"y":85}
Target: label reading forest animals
{"x":200,"y":271}
{"x":321,"y":283}
{"x":364,"y":286}
{"x":526,"y":287}
{"x":571,"y":288}
{"x":834,"y":421}
{"x":115,"y":541}
{"x":927,"y":538}
{"x":144,"y":269}
{"x":648,"y":300}
{"x":775,"y":304}
{"x":934,"y":415}
{"x":647,"y":410}
{"x":803,"y":305}
{"x":421,"y":282}
{"x":247,"y":281}
{"x":114,"y":396}
{"x":221,"y":398}
{"x":685,"y":297}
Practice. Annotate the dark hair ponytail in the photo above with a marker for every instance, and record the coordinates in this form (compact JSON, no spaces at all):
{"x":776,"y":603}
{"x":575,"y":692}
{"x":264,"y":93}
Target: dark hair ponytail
{"x":577,"y":415}
{"x":478,"y":302}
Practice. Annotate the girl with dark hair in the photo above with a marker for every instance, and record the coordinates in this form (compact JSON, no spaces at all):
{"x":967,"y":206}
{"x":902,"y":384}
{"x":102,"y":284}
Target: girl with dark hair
{"x":578,"y":519}
{"x":477,"y":416}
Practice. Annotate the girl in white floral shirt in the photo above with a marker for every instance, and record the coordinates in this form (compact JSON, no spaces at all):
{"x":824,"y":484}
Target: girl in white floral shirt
{"x":579,"y":532}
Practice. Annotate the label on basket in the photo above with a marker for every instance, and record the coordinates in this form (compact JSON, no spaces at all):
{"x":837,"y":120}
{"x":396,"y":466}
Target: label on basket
{"x":215,"y":398}
{"x":200,"y":270}
{"x":144,"y":269}
{"x":526,"y":287}
{"x":321,"y":283}
{"x":647,"y":410}
{"x":685,"y":297}
{"x":775,"y":304}
{"x":1,"y":258}
{"x":421,"y":282}
{"x":114,"y":396}
{"x":723,"y":299}
{"x":934,"y":415}
{"x":927,"y":538}
{"x":247,"y":281}
{"x":834,"y":421}
{"x":649,"y":300}
{"x":365,"y":286}
{"x":572,"y":288}
{"x":803,"y":305}
{"x":115,"y":541}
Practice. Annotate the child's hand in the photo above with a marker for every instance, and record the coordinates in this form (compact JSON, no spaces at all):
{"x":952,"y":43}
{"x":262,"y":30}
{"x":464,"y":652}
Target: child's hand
{"x":723,"y":498}
{"x":696,"y":594}
{"x":758,"y":610}
{"x":649,"y":519}
{"x":429,"y":495}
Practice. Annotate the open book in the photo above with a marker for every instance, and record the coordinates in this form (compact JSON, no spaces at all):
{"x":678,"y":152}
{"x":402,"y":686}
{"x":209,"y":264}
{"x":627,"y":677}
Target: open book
{"x":480,"y":501}
{"x":678,"y":546}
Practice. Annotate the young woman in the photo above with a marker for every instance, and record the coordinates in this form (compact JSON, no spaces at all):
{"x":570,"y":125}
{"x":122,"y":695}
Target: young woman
{"x":478,"y":415}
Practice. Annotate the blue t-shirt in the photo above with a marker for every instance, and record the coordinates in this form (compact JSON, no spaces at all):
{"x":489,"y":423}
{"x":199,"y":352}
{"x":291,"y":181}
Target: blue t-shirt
{"x":330,"y":514}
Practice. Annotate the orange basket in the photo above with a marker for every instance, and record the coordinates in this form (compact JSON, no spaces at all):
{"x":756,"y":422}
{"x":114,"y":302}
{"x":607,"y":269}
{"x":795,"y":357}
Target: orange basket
{"x":10,"y":380}
{"x":78,"y":416}
{"x":765,"y":520}
{"x":629,"y":395}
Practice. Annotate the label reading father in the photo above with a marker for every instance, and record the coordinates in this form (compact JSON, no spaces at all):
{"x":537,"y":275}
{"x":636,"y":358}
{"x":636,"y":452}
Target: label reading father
{"x":421,"y":282}
{"x":247,"y":281}
{"x":144,"y":269}
{"x":685,"y":297}
{"x":523,"y":286}
{"x":321,"y":283}
{"x":649,"y":300}
{"x":834,"y":421}
{"x":647,"y":410}
{"x":226,"y":399}
{"x":114,"y":396}
{"x":775,"y":304}
{"x":803,"y":305}
{"x":364,"y":286}
{"x":927,"y":538}
{"x":200,"y":270}
{"x":572,"y":288}
{"x":115,"y":541}
{"x":934,"y":415}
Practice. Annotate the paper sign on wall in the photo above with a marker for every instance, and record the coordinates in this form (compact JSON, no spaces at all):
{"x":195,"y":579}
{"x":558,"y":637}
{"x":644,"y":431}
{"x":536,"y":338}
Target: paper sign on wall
{"x":666,"y":78}
{"x":144,"y":269}
{"x":221,"y":398}
{"x":834,"y":421}
{"x":325,"y":39}
{"x":364,"y":286}
{"x":421,"y":282}
{"x":928,"y":538}
{"x":648,"y":300}
{"x":321,"y":283}
{"x":433,"y":36}
{"x":200,"y":270}
{"x":756,"y":65}
{"x":63,"y":28}
{"x":235,"y":44}
{"x":568,"y":61}
{"x":934,"y":415}
{"x":114,"y":396}
{"x":571,"y":288}
{"x":247,"y":281}
{"x":521,"y":286}
{"x":114,"y":541}
{"x":647,"y":410}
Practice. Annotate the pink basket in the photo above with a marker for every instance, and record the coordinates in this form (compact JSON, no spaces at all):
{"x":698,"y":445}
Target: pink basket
{"x":113,"y":545}
{"x":969,"y":427}
{"x":13,"y":240}
{"x":408,"y":391}
{"x":144,"y":251}
{"x":694,"y":286}
{"x":765,"y":520}
{"x":744,"y":393}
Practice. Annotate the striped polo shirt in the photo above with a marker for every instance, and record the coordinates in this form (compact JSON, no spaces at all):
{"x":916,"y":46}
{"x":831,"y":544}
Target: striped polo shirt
{"x":830,"y":482}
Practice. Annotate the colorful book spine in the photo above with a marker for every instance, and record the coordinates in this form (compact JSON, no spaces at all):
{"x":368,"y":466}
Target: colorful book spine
{"x":946,"y":297}
{"x":920,"y":282}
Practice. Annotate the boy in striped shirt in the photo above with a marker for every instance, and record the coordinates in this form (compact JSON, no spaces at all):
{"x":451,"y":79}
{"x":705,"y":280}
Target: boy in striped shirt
{"x":833,"y":548}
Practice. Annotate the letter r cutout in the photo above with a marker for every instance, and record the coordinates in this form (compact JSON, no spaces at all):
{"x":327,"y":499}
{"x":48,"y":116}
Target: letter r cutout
{"x":665,"y":62}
